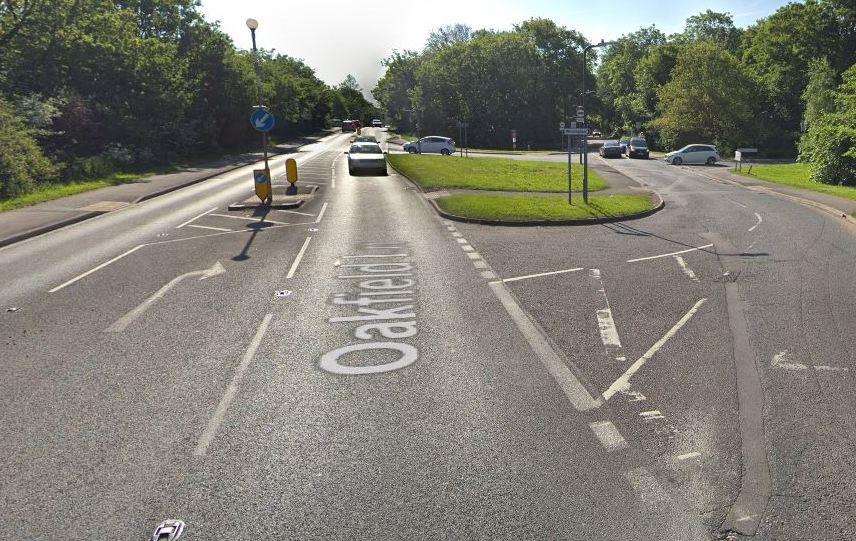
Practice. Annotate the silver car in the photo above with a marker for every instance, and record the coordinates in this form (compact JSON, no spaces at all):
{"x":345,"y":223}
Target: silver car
{"x":366,"y":157}
{"x":432,"y":144}
{"x":706,"y":154}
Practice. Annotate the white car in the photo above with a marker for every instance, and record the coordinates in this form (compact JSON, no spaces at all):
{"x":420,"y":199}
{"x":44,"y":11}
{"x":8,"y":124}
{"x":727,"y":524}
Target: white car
{"x":366,"y":157}
{"x":693,"y":154}
{"x":433,"y":144}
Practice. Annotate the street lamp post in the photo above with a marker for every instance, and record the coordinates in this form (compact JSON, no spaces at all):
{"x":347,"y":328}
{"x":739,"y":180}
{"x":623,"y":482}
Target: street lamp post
{"x":585,"y":124}
{"x":253,"y":24}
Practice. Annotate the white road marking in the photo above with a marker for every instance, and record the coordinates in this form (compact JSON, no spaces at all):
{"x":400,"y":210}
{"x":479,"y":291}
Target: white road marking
{"x":757,"y":217}
{"x":333,"y":175}
{"x":686,"y":268}
{"x":737,"y":203}
{"x":297,"y":259}
{"x":828,"y":368}
{"x":490,"y":275}
{"x":95,"y":269}
{"x":473,"y":255}
{"x":669,"y":254}
{"x":605,"y":322}
{"x":209,"y":227}
{"x":461,"y":240}
{"x":195,"y":218}
{"x":480,"y":264}
{"x":624,"y":381}
{"x":780,"y":360}
{"x":122,"y":323}
{"x":251,"y":219}
{"x":220,"y":413}
{"x":457,"y":235}
{"x":573,"y":388}
{"x":293,"y":212}
{"x":321,"y":214}
{"x":687,"y":456}
{"x":377,"y":255}
{"x":467,"y":248}
{"x":516,"y":278}
{"x":608,"y":435}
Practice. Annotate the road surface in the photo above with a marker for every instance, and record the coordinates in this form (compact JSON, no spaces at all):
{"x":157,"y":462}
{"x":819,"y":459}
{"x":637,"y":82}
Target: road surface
{"x":360,"y":368}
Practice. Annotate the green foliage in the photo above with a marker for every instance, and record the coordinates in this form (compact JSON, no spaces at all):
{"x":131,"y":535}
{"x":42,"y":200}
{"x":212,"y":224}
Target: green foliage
{"x":22,"y":164}
{"x":714,"y":27}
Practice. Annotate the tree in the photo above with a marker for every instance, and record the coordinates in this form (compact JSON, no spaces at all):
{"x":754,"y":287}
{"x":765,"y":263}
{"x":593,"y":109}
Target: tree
{"x":709,"y":99}
{"x":393,"y":90}
{"x":446,"y":36}
{"x":819,"y":94}
{"x":22,"y":164}
{"x":712,"y":26}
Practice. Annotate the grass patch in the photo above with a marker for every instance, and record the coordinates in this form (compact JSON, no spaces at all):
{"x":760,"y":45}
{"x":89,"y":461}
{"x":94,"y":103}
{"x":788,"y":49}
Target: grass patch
{"x":797,"y":175}
{"x":48,"y":192}
{"x":541,"y":207}
{"x":502,"y":174}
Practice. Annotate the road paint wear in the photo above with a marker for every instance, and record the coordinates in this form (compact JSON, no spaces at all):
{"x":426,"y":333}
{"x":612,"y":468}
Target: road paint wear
{"x":384,"y":303}
{"x":608,"y":436}
{"x":605,"y":322}
{"x":686,"y":268}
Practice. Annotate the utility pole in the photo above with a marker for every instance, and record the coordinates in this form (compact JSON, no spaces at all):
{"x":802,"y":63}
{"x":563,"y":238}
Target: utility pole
{"x":252,"y":24}
{"x":584,"y":150}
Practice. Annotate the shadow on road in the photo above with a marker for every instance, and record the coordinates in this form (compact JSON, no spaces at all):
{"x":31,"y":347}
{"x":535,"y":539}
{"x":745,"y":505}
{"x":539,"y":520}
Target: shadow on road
{"x":261,"y":213}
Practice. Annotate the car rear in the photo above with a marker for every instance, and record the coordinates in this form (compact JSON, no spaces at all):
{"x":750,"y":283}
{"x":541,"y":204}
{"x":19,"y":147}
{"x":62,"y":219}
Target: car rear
{"x":637,"y":148}
{"x":611,"y":149}
{"x":366,"y":157}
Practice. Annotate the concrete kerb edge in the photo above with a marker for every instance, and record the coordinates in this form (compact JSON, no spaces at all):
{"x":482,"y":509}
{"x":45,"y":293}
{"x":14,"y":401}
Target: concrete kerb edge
{"x":41,"y":230}
{"x":659,"y":205}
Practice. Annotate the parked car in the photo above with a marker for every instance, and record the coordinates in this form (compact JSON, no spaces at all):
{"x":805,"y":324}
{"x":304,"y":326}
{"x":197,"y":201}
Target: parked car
{"x":366,"y":139}
{"x":366,"y":157}
{"x":610,"y":149}
{"x":377,"y":123}
{"x":693,"y":154}
{"x":432,"y":144}
{"x":637,"y":148}
{"x":624,"y":142}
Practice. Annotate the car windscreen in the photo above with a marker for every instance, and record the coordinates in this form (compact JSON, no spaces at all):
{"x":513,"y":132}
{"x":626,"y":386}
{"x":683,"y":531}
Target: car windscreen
{"x":638,"y":143}
{"x":366,"y":149}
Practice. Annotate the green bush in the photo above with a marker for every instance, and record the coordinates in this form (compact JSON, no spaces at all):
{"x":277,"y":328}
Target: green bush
{"x":22,"y":163}
{"x":90,"y":167}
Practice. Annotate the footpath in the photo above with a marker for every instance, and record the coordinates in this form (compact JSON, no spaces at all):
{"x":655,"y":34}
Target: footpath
{"x":19,"y":224}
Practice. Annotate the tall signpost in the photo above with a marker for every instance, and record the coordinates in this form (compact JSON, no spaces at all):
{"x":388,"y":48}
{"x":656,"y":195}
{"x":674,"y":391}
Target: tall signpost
{"x":263,"y":121}
{"x":570,"y":132}
{"x":582,"y":114}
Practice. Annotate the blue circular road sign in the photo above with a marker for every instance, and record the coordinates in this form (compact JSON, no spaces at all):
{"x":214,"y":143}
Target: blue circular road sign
{"x":262,"y":120}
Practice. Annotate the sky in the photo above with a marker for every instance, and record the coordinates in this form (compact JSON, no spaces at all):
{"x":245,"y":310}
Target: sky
{"x":338,"y":37}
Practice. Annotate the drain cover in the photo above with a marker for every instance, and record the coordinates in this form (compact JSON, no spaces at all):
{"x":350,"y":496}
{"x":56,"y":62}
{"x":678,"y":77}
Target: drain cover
{"x":168,"y":530}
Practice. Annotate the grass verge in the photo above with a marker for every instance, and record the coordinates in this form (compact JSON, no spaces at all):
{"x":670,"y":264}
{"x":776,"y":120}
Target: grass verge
{"x":797,"y":175}
{"x":499,"y":174}
{"x":48,"y":192}
{"x":524,"y":208}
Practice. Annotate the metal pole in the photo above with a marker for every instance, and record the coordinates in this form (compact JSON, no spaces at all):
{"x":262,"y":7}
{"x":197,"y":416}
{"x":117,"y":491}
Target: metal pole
{"x":461,"y":137}
{"x":584,"y":149}
{"x":259,"y":77}
{"x":569,"y":171}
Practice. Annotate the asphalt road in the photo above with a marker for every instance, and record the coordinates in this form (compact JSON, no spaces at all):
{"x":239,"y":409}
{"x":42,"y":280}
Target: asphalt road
{"x":356,"y":368}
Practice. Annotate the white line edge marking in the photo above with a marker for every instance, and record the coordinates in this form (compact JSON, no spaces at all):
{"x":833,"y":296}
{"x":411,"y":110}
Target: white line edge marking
{"x":293,"y":212}
{"x":220,"y":413}
{"x":686,"y":268}
{"x":196,"y":218}
{"x":573,"y":388}
{"x":757,"y":217}
{"x":623,"y":382}
{"x":669,"y":254}
{"x":209,"y":227}
{"x":687,"y":456}
{"x":333,"y":174}
{"x":299,"y":257}
{"x":321,"y":214}
{"x":608,"y":435}
{"x":98,"y":268}
{"x":516,"y":278}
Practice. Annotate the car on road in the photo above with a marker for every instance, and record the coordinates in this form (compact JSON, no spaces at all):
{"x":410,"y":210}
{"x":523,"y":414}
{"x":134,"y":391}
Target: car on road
{"x":433,"y":144}
{"x":366,"y":139}
{"x":349,"y":125}
{"x":695,"y":153}
{"x":624,"y":142}
{"x":610,"y":149}
{"x":377,"y":123}
{"x":637,"y":148}
{"x":366,"y":157}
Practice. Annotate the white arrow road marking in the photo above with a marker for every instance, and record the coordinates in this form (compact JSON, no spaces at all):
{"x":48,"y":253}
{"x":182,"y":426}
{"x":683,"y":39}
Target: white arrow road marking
{"x":623,"y":382}
{"x":757,"y":217}
{"x":120,"y":324}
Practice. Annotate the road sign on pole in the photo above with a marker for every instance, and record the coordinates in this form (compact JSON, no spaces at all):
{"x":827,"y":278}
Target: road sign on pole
{"x":262,"y":120}
{"x":574,"y":131}
{"x":261,"y":178}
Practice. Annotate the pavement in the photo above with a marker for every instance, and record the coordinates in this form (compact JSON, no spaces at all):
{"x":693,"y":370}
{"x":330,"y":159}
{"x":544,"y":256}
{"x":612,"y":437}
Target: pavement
{"x":360,"y":368}
{"x":26,"y":222}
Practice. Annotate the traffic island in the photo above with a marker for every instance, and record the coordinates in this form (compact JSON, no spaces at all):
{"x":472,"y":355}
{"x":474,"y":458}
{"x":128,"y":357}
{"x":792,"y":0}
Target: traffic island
{"x":280,"y":199}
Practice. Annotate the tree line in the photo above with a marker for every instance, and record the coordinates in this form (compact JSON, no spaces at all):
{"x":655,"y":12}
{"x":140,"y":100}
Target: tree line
{"x":784,"y":85}
{"x":91,"y":86}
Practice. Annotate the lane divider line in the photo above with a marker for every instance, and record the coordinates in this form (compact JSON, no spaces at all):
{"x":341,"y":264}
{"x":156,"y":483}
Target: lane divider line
{"x":623,"y":382}
{"x":299,"y":257}
{"x":321,"y":214}
{"x":229,"y":395}
{"x":686,"y":268}
{"x":95,"y":269}
{"x":195,"y":218}
{"x":608,"y":435}
{"x":669,"y":254}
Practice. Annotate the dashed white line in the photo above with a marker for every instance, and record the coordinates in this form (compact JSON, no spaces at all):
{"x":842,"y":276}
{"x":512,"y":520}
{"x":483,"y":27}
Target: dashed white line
{"x":624,"y":381}
{"x":461,"y":240}
{"x":212,"y":228}
{"x":321,"y":214}
{"x":670,"y":254}
{"x":488,"y":274}
{"x":608,"y":435}
{"x":299,"y":257}
{"x":473,"y":255}
{"x":686,"y":268}
{"x":195,"y":218}
{"x":220,"y":413}
{"x":757,"y":217}
{"x":516,"y":278}
{"x":480,"y":264}
{"x":687,"y":456}
{"x":467,"y":248}
{"x":95,"y":269}
{"x":457,"y":235}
